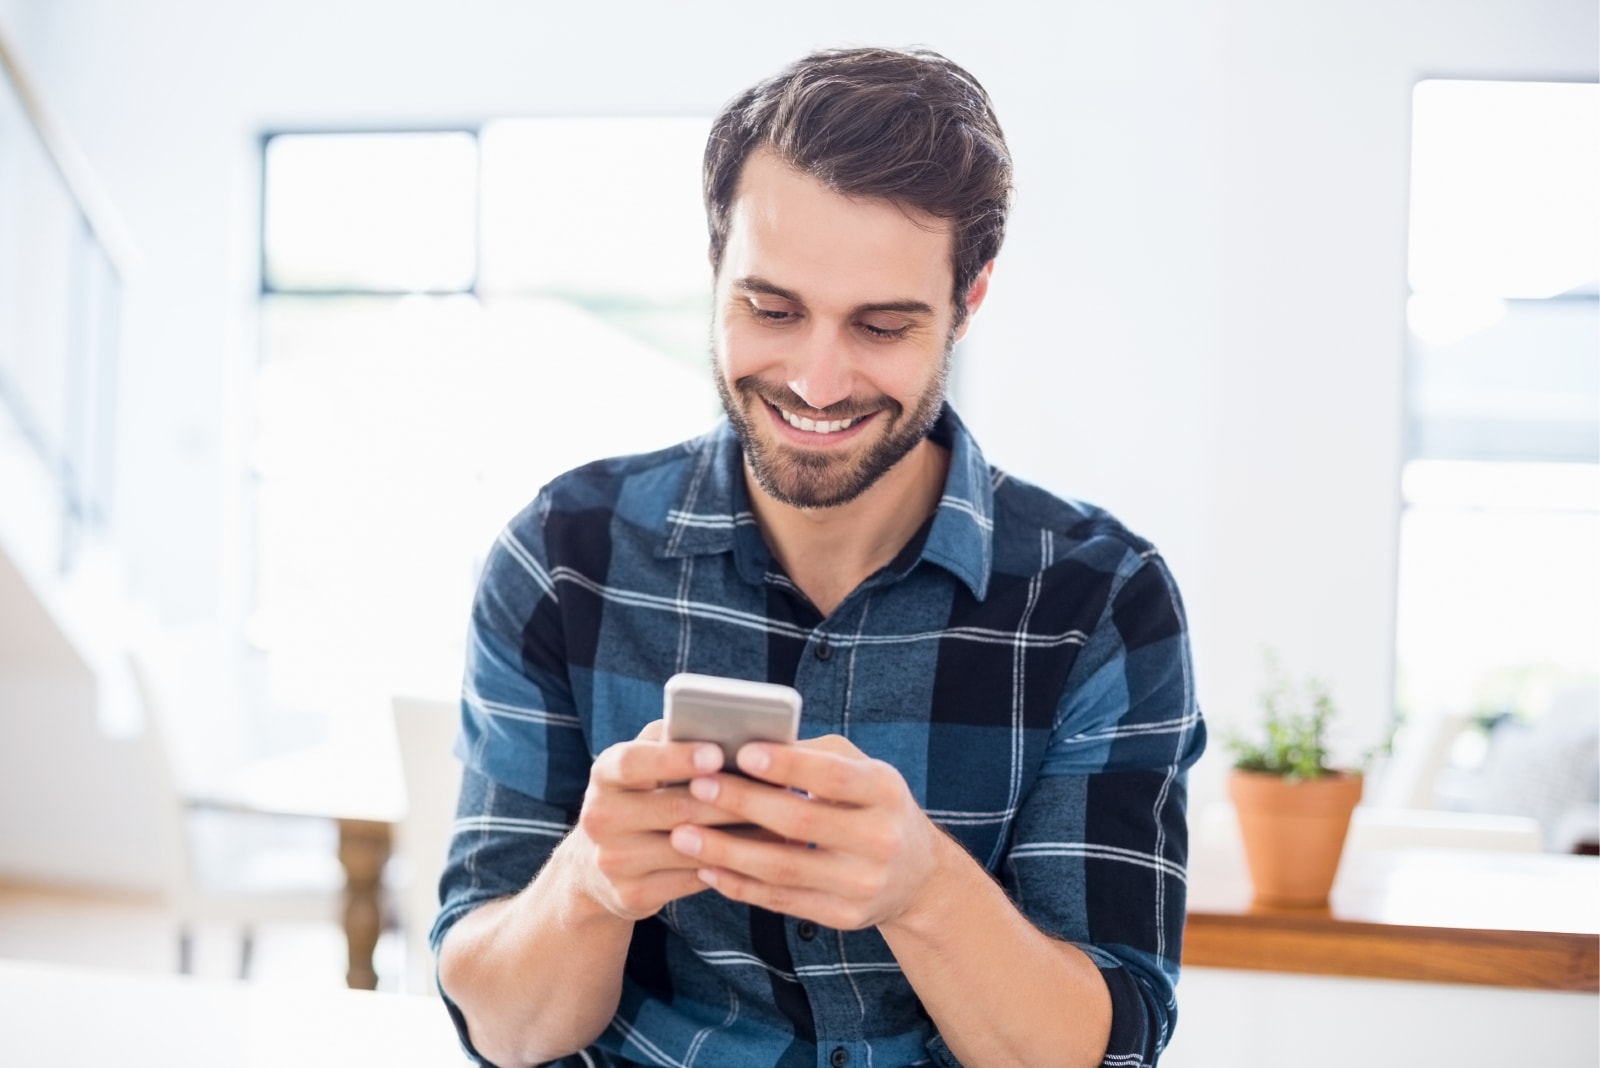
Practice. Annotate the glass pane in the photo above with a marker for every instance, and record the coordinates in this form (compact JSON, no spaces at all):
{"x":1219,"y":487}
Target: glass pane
{"x":1505,"y":188}
{"x":1496,"y":607}
{"x":1526,"y":387}
{"x":39,"y":229}
{"x":1498,"y":585}
{"x":371,"y":212}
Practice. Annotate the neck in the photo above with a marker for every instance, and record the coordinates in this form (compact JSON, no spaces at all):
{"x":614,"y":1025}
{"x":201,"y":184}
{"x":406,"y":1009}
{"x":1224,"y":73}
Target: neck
{"x":828,"y":552}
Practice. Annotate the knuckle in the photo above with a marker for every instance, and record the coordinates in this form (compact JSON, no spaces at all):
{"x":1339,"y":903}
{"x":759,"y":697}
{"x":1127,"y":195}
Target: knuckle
{"x":884,"y":776}
{"x":595,"y":820}
{"x":786,"y":870}
{"x":626,"y":763}
{"x":838,"y":778}
{"x":779,"y":899}
{"x":884,"y":842}
{"x":805,"y":822}
{"x":856,"y":918}
{"x":606,"y":859}
{"x":867,"y":885}
{"x":634,"y":899}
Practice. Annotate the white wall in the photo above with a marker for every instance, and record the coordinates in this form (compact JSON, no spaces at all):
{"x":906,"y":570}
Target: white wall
{"x":1197,"y":321}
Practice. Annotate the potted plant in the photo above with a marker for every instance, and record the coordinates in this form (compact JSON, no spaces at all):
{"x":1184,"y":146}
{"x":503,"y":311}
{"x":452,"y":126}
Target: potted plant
{"x":1293,"y":807}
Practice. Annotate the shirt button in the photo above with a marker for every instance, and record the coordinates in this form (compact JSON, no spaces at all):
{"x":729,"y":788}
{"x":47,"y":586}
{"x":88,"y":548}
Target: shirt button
{"x":840,"y":1057}
{"x":808,"y":930}
{"x":824,"y":650}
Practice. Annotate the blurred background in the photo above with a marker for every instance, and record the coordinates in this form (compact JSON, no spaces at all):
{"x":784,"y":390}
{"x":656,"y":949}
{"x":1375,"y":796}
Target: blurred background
{"x":299,"y":302}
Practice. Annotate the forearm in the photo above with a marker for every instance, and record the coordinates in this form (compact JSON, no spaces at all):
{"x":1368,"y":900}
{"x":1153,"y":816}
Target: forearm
{"x":538,"y":975}
{"x":1000,"y":991}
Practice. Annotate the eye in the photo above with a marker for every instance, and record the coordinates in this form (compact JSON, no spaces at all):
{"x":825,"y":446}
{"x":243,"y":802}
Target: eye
{"x":884,"y":333}
{"x":776,"y":316}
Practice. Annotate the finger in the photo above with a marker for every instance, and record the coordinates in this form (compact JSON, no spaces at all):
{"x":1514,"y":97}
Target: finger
{"x":629,"y":859}
{"x":836,"y":776}
{"x":790,"y":816}
{"x":815,"y":905}
{"x":645,"y":764}
{"x":831,"y":743}
{"x":632,"y":859}
{"x":776,"y":863}
{"x":612,"y":813}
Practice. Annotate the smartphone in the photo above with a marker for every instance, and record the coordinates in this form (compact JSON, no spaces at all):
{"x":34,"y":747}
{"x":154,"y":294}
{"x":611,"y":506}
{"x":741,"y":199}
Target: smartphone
{"x":730,"y":712}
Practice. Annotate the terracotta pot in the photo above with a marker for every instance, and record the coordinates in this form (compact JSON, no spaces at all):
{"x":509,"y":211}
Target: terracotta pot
{"x":1293,"y":832}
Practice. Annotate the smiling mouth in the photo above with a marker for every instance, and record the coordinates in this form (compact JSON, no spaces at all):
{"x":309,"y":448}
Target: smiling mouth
{"x":816,"y":426}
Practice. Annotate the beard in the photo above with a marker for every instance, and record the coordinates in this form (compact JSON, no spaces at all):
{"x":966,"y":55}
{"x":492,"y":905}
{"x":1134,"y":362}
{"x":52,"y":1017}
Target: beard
{"x":804,"y":478}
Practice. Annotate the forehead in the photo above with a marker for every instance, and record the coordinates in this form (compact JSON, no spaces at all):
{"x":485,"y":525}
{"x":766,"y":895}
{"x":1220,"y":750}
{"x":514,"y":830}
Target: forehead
{"x":787,"y":227}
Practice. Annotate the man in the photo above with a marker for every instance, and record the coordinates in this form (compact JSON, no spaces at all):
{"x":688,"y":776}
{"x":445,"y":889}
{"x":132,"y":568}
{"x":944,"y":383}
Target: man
{"x":975,"y":854}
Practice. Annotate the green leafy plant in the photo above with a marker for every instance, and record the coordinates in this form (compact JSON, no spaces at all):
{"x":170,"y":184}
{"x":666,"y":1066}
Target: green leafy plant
{"x":1293,"y":740}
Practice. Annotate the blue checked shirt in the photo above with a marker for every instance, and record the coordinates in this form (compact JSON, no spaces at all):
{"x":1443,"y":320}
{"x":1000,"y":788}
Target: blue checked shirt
{"x":1023,"y":662}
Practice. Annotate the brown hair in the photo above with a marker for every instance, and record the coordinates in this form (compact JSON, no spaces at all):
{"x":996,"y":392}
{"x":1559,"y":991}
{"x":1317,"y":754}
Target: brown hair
{"x":906,"y":126}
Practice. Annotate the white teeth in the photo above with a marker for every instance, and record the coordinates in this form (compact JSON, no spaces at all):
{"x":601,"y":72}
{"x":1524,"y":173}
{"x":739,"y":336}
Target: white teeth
{"x":832,"y":426}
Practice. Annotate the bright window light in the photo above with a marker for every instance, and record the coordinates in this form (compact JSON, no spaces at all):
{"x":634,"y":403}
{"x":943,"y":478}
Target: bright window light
{"x":1498,"y":587}
{"x":565,"y":209}
{"x":1503,"y":180}
{"x":1497,"y":606}
{"x":371,"y":212}
{"x":396,"y":434}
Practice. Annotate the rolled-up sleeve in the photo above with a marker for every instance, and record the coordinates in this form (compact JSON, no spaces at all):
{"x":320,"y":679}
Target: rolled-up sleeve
{"x":524,"y":755}
{"x":1100,"y":846}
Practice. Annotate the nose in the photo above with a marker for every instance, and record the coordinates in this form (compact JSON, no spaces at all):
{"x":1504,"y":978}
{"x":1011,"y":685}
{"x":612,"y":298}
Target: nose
{"x":819,"y":370}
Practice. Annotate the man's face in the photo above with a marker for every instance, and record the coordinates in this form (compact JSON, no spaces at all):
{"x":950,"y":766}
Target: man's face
{"x":832,"y":332}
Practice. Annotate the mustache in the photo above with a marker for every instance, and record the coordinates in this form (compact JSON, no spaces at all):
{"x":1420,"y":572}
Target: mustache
{"x":790,"y":401}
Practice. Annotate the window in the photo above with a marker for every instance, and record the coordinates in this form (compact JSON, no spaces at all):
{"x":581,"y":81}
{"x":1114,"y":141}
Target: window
{"x":448,"y":320}
{"x":1499,"y":574}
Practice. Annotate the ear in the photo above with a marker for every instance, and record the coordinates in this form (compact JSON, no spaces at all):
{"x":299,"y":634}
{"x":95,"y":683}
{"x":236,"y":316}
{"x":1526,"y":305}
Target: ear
{"x":975,"y":294}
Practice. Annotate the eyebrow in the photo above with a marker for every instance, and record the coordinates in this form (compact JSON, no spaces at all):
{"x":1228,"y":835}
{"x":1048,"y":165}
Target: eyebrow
{"x":755,"y":284}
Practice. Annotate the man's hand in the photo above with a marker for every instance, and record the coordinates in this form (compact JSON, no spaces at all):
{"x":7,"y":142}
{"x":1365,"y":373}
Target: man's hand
{"x":629,"y":866}
{"x":854,"y":847}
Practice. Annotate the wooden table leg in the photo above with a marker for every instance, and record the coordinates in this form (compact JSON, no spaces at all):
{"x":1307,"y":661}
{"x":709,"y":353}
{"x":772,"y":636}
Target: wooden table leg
{"x":364,"y":847}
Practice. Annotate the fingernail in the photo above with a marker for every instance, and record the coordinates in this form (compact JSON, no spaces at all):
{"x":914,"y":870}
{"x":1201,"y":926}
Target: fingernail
{"x":707,"y":876}
{"x":707,"y":758}
{"x":686,"y":840}
{"x":754,"y":759}
{"x":704,"y":789}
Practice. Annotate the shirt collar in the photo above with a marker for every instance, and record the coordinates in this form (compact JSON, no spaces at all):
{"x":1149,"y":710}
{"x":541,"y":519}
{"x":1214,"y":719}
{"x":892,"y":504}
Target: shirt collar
{"x":711,"y":511}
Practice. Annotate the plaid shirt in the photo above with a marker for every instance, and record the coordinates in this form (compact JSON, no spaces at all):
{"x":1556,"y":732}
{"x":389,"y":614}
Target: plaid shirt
{"x":1023,"y":662}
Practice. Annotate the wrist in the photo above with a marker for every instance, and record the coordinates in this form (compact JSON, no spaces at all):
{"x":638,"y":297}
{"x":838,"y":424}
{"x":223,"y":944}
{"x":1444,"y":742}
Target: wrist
{"x":571,"y":881}
{"x":939,"y":892}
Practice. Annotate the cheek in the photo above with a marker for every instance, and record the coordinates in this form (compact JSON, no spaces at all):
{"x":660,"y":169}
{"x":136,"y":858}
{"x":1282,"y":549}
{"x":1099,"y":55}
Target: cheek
{"x":743,"y":349}
{"x":908,"y":375}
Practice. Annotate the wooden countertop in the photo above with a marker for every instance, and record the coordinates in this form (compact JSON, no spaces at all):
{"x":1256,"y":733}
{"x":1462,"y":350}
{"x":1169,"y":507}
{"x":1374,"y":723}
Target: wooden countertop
{"x":1524,"y":920}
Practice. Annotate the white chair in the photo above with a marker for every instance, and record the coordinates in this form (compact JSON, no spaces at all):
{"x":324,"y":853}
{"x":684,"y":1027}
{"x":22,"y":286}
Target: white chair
{"x":1410,"y":778}
{"x":426,"y":730}
{"x":233,"y":867}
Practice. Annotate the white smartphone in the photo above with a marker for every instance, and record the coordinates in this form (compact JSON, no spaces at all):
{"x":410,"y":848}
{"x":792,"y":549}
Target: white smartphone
{"x":730,"y":712}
